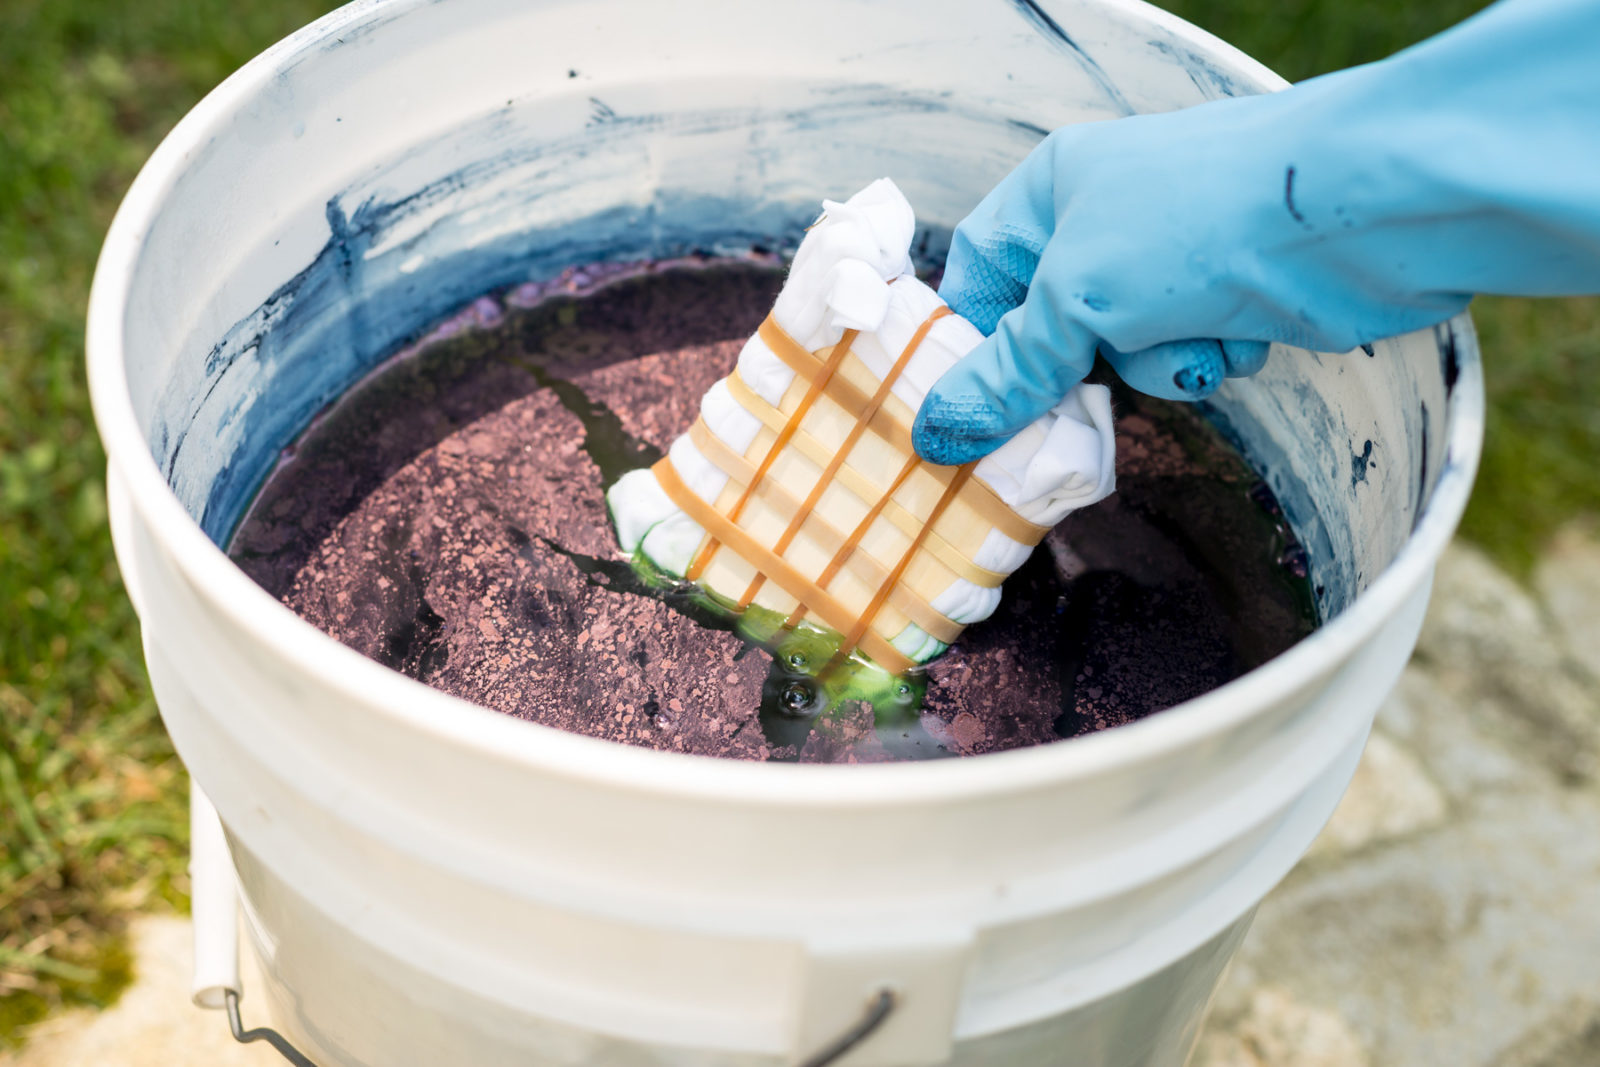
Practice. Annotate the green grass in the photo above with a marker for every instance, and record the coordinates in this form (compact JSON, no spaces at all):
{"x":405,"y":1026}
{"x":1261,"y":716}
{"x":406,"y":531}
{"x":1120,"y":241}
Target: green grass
{"x":92,"y":810}
{"x":1541,"y":459}
{"x":1303,"y":38}
{"x":92,"y":813}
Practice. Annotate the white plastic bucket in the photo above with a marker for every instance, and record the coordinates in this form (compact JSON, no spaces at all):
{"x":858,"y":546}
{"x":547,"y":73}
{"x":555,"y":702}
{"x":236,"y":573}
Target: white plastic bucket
{"x":1072,"y":903}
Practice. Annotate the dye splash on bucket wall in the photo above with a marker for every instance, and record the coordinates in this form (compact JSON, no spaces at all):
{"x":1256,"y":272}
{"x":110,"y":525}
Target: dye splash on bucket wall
{"x":373,"y":173}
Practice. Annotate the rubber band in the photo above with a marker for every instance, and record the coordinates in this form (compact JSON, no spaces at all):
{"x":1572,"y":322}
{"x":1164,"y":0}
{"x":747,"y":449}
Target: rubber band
{"x":863,"y":416}
{"x":896,"y":432}
{"x":834,"y":614}
{"x":847,"y":548}
{"x":862,"y":630}
{"x":830,"y":376}
{"x":818,"y":384}
{"x":815,"y":451}
{"x":846,"y":394}
{"x":864,"y":565}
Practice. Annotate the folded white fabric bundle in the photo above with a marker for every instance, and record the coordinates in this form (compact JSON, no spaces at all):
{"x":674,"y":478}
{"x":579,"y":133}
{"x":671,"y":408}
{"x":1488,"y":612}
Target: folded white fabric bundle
{"x":807,"y":453}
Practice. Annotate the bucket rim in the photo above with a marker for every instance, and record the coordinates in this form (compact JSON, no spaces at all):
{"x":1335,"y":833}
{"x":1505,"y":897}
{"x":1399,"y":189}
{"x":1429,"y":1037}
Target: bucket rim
{"x":450,"y":720}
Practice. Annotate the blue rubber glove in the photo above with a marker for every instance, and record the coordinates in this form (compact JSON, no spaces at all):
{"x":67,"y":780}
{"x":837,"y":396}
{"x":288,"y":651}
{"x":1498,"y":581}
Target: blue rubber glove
{"x":1352,"y":207}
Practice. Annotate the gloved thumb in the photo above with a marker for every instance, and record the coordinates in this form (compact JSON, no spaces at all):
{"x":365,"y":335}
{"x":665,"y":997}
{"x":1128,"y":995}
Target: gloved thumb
{"x":1003,"y":384}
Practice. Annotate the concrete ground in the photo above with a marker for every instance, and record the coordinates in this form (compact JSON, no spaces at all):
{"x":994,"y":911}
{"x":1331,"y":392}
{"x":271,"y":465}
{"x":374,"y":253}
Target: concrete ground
{"x":1448,"y":915}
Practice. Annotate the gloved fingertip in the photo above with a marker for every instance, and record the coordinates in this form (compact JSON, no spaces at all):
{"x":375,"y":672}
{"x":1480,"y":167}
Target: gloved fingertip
{"x":954,"y":451}
{"x":953,"y":432}
{"x":1245,"y":358}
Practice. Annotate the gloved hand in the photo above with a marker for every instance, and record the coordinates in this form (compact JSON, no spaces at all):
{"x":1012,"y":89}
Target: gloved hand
{"x":1349,"y":208}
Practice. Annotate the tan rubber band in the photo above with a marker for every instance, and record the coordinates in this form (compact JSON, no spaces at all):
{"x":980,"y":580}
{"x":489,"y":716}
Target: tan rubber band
{"x":847,"y":476}
{"x":863,"y":416}
{"x":830,"y":610}
{"x":846,"y":394}
{"x":822,"y":376}
{"x":853,"y":543}
{"x":863,"y":564}
{"x":862,"y":632}
{"x":848,"y":549}
{"x":994,"y":510}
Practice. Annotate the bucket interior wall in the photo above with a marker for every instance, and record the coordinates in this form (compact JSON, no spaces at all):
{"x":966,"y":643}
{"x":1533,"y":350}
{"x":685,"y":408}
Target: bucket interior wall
{"x":386,"y":180}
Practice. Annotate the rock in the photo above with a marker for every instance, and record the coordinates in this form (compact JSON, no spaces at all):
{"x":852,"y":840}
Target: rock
{"x":1391,"y":796}
{"x":1488,"y":643}
{"x":1480,"y":616}
{"x":1432,"y":723}
{"x":1568,"y":1038}
{"x":153,"y":1024}
{"x":1568,"y":579}
{"x":1277,"y":1030}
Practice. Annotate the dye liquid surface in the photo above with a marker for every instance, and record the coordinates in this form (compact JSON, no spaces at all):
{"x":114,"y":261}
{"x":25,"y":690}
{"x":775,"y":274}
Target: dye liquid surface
{"x":447,"y":518}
